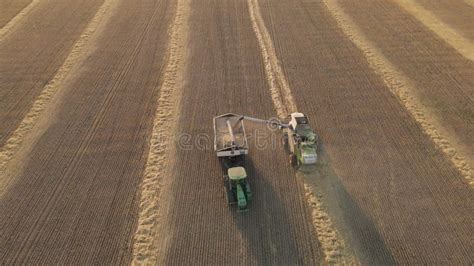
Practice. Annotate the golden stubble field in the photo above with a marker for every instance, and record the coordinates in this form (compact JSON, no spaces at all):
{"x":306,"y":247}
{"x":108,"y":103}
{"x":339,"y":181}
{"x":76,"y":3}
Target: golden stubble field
{"x":106,"y":114}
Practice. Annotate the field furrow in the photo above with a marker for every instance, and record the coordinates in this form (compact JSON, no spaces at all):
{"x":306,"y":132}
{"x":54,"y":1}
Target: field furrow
{"x":458,"y":14}
{"x":32,"y":53}
{"x":332,"y":243}
{"x":438,"y":77}
{"x":107,"y":143}
{"x":231,"y":78}
{"x":160,"y":154}
{"x":84,"y":205}
{"x":382,"y":179}
{"x":12,"y":12}
{"x":78,"y":53}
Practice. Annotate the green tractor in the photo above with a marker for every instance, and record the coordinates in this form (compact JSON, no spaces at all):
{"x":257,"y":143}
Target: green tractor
{"x":230,"y":143}
{"x":237,"y":187}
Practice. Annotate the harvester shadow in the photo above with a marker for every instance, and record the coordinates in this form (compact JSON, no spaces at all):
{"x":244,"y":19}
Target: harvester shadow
{"x":266,"y":231}
{"x":351,"y":221}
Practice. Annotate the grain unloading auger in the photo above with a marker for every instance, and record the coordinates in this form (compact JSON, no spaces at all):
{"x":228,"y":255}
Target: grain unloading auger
{"x":230,"y":144}
{"x":298,"y":137}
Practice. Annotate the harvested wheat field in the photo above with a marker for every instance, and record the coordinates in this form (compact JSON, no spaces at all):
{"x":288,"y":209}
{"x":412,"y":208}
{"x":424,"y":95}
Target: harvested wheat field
{"x":107,"y":133}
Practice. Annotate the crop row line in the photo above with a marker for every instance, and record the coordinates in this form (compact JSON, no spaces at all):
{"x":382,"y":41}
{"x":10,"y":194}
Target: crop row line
{"x":284,"y":104}
{"x":164,"y":126}
{"x":403,"y":89}
{"x":75,"y":57}
{"x":16,"y":20}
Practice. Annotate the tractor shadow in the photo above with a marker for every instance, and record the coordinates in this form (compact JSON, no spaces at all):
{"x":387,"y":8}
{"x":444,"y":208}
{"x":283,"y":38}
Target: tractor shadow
{"x":358,"y":230}
{"x":265,"y":227}
{"x":274,"y":230}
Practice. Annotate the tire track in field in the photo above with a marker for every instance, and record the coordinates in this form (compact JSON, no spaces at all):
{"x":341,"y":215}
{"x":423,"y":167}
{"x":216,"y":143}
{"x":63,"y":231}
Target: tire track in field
{"x":75,"y":57}
{"x":16,"y":20}
{"x":332,"y":244}
{"x":164,"y":128}
{"x":111,"y":179}
{"x":73,"y":163}
{"x":110,"y":99}
{"x":463,"y":45}
{"x":402,"y":88}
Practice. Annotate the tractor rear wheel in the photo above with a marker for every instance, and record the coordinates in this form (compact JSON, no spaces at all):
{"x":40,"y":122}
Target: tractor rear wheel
{"x":229,"y":194}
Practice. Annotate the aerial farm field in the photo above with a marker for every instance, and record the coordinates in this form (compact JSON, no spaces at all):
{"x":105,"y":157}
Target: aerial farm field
{"x":107,"y":134}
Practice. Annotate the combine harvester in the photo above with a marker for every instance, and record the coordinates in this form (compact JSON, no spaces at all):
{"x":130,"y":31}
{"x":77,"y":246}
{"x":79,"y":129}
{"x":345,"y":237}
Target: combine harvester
{"x":230,"y":144}
{"x":300,"y":140}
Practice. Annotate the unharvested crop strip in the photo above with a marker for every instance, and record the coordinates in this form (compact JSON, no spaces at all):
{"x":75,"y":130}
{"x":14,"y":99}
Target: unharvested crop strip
{"x":76,"y":55}
{"x":469,"y":2}
{"x":332,"y":244}
{"x":279,"y":87}
{"x":164,"y":128}
{"x":401,"y":87}
{"x":463,"y":45}
{"x":17,"y":19}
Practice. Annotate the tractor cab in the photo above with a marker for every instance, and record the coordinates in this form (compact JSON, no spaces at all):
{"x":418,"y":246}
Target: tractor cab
{"x":236,"y":174}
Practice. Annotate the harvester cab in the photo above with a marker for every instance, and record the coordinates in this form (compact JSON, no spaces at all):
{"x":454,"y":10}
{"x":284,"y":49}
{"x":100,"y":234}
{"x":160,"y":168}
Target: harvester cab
{"x":301,"y":141}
